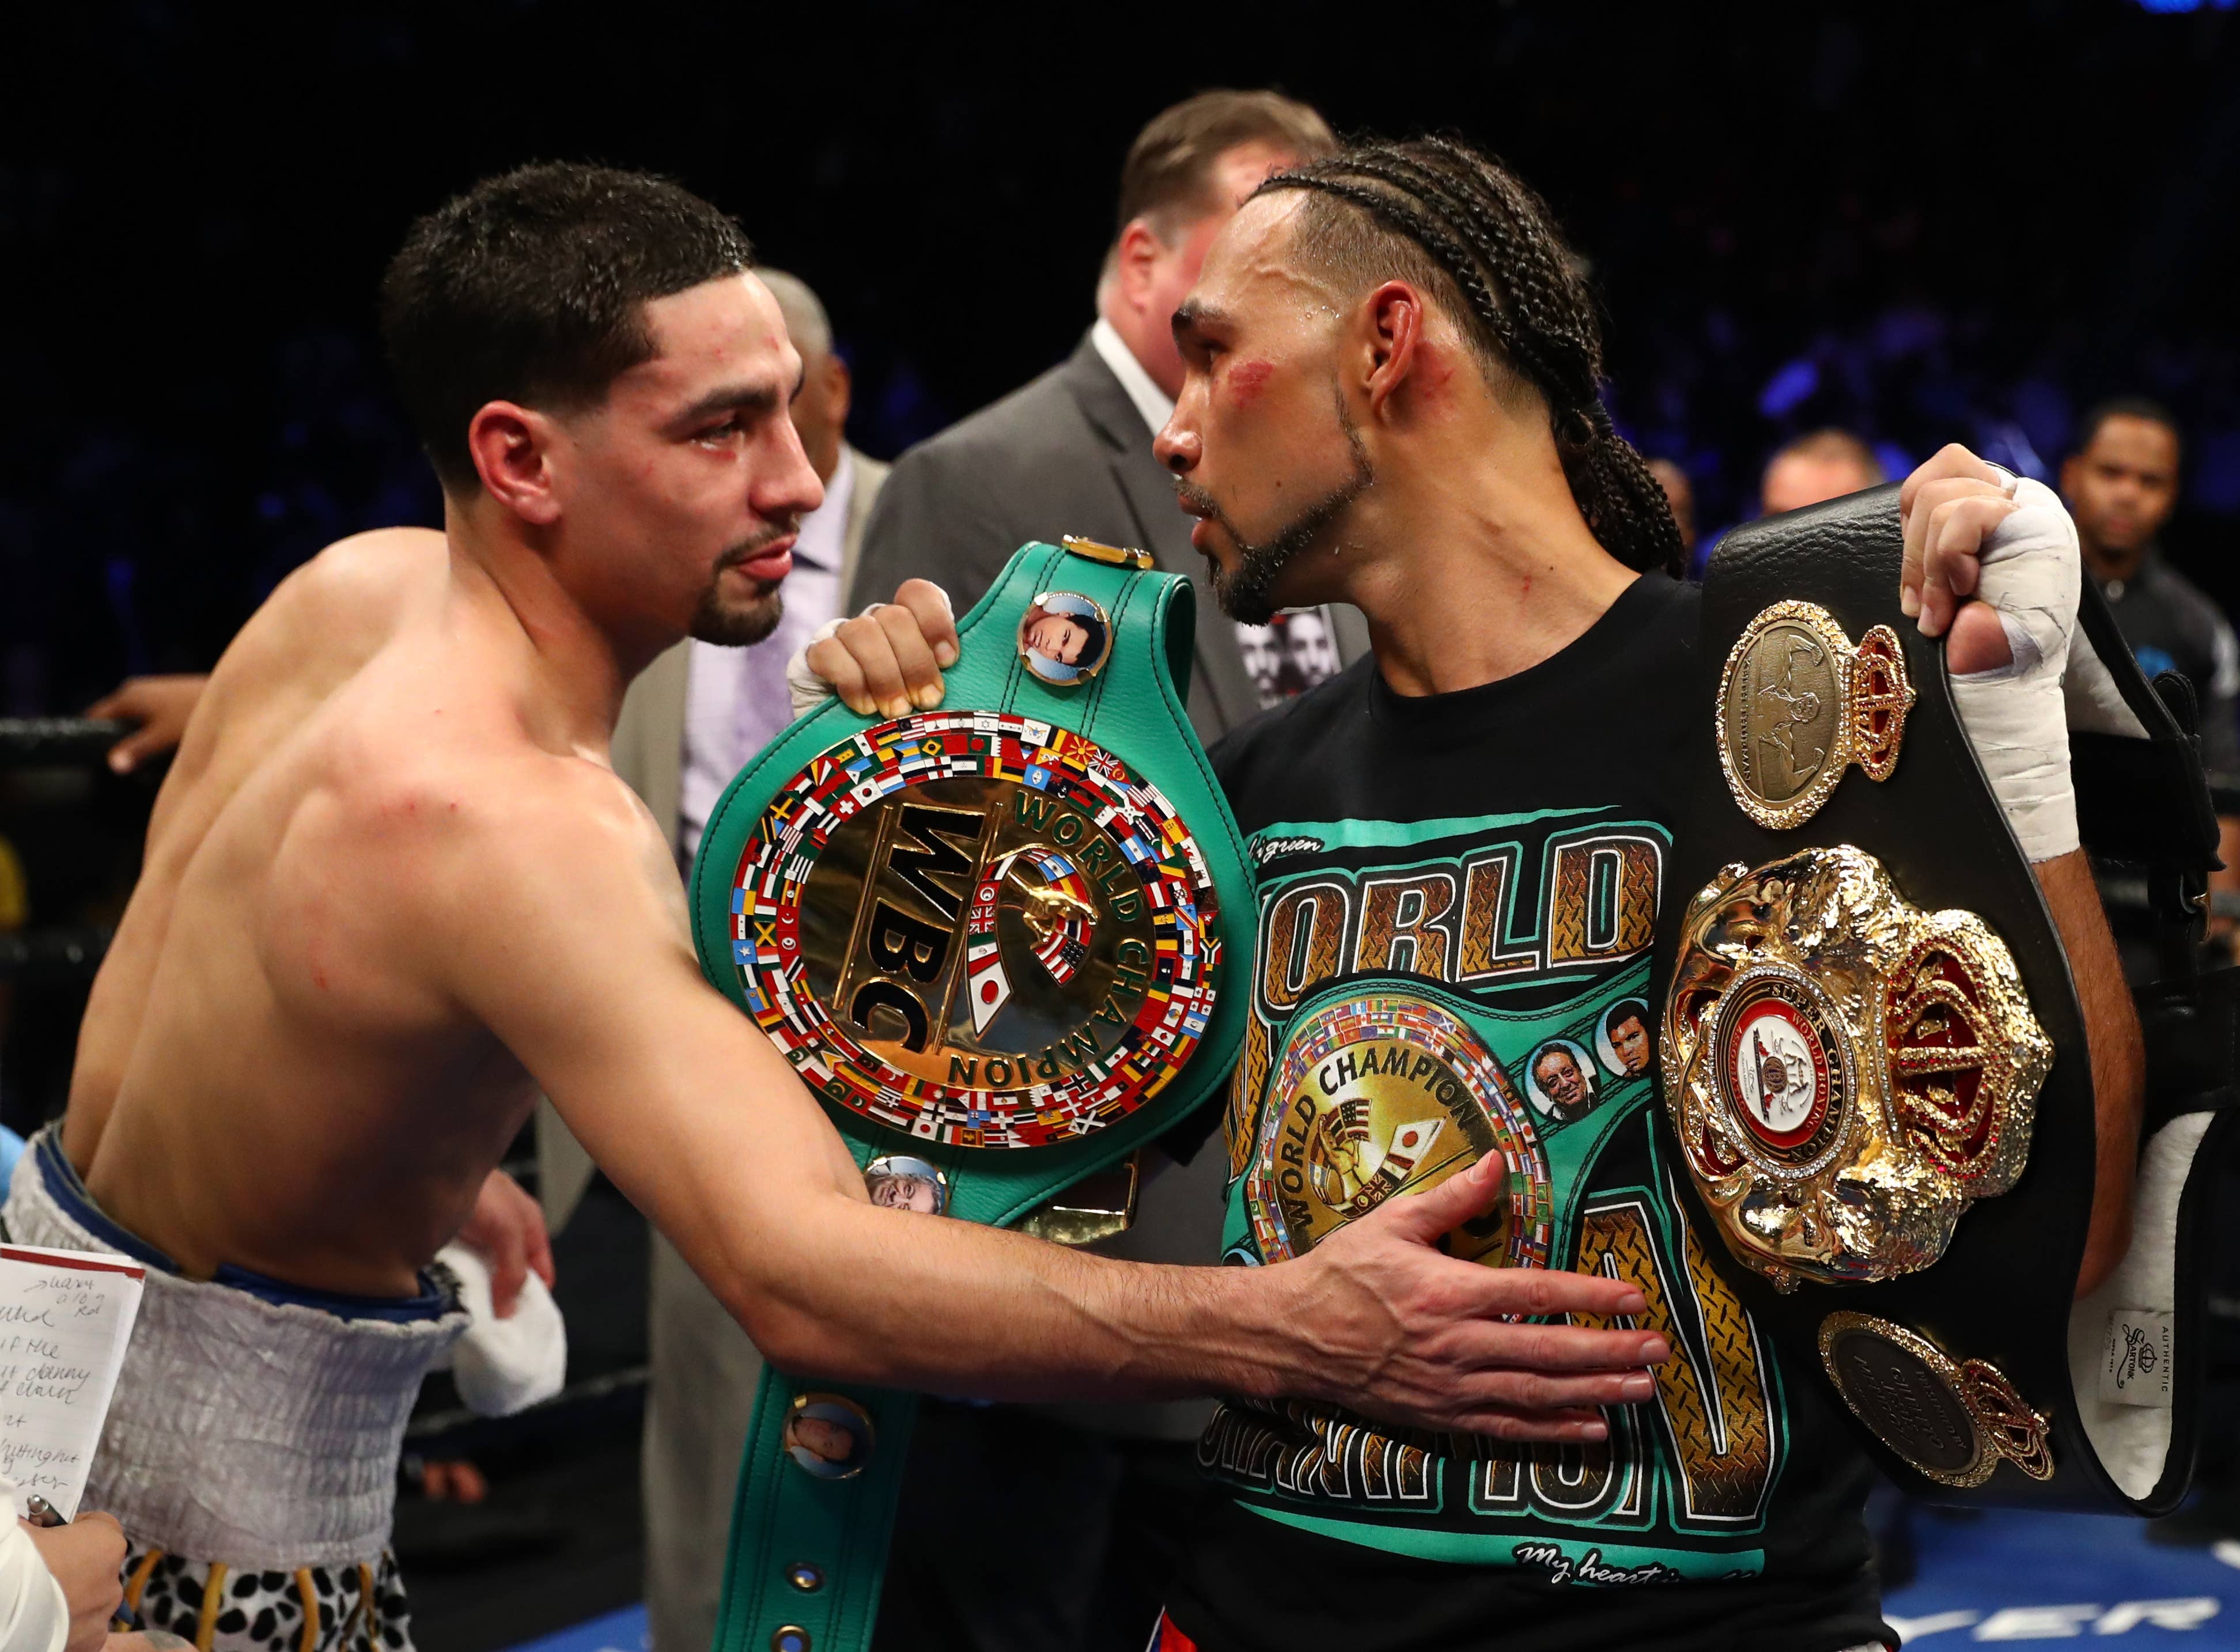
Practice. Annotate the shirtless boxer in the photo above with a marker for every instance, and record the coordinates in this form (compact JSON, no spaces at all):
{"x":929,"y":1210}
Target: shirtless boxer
{"x":394,"y":888}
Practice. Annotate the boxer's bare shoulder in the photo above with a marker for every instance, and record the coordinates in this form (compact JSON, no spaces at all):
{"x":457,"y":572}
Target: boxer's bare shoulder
{"x":318,"y":628}
{"x":384,"y":755}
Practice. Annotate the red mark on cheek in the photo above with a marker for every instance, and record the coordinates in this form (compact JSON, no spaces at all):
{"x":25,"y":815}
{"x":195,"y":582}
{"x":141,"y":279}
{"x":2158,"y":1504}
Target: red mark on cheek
{"x":1527,"y":591}
{"x":1247,"y":380}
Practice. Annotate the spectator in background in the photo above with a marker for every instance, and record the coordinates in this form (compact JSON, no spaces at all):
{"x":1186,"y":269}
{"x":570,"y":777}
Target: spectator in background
{"x":1680,"y":493}
{"x":2122,"y":486}
{"x":1070,"y":453}
{"x":1826,"y":464}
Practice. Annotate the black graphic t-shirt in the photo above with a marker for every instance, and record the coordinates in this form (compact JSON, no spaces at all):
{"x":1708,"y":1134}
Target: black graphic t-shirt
{"x":1510,"y":843}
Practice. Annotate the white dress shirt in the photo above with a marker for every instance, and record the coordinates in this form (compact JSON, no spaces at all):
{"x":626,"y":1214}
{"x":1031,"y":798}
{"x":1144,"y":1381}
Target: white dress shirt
{"x":721,"y":734}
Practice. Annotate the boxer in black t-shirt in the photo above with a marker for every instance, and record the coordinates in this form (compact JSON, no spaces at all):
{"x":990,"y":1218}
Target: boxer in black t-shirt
{"x":1393,"y":399}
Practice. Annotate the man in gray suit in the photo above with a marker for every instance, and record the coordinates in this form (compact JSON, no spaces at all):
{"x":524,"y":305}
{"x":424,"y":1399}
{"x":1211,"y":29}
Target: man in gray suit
{"x":1070,"y":453}
{"x":688,"y":724}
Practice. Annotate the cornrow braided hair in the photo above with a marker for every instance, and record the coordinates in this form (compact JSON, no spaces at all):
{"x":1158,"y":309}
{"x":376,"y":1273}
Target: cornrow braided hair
{"x":1440,"y":212}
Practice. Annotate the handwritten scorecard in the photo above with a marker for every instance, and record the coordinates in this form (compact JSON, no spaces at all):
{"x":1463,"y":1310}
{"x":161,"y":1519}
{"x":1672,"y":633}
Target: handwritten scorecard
{"x":65,"y":1316}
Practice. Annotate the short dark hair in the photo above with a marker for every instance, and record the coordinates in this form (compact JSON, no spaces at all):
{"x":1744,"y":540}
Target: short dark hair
{"x":1168,"y":177}
{"x":531,"y":287}
{"x":2125,"y":407}
{"x":1624,"y":1010}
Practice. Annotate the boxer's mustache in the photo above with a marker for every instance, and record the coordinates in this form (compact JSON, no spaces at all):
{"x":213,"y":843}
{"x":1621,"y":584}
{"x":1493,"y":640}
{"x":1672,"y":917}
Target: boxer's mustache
{"x":747,"y":551}
{"x":1198,"y":502}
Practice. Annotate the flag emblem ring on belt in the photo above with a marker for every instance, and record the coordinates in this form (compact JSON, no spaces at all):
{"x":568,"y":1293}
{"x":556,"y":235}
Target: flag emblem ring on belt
{"x":977,"y":928}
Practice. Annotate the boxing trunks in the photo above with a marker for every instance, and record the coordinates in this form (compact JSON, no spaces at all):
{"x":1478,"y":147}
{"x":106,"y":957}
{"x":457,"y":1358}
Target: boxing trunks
{"x":250,"y":1451}
{"x":1875,"y":1068}
{"x":990,"y":937}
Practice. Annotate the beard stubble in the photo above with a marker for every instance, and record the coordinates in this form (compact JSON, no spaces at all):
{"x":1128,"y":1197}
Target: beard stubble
{"x":1244,"y":595}
{"x":736,"y":625}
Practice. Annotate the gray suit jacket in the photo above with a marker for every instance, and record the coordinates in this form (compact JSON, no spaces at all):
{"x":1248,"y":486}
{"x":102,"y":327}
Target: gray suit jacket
{"x":1065,"y":454}
{"x":648,"y":754}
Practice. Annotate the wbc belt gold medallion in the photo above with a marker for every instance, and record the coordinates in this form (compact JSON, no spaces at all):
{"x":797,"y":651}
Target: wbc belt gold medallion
{"x":1798,"y":703}
{"x":1382,"y":1094}
{"x":1955,"y":1421}
{"x":1846,"y":1073}
{"x":979,"y":929}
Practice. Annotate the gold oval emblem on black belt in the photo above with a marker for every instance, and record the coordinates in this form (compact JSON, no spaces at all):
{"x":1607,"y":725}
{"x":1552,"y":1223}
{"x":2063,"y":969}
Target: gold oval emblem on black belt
{"x":1798,"y":703}
{"x":1846,"y":1073}
{"x":976,"y":928}
{"x":1955,"y":1421}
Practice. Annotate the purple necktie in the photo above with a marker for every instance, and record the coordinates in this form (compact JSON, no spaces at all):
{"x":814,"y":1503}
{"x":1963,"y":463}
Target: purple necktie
{"x":763,"y":709}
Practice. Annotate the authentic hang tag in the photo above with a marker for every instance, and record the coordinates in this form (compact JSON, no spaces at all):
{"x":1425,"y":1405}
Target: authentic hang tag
{"x":2135,"y":1360}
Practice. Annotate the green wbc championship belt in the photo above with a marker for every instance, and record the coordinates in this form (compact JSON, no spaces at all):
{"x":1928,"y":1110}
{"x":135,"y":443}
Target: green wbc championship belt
{"x":997,"y":925}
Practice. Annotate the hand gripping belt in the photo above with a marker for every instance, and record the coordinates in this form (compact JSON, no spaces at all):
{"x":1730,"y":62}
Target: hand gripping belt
{"x":997,"y":925}
{"x":1873,"y":1056}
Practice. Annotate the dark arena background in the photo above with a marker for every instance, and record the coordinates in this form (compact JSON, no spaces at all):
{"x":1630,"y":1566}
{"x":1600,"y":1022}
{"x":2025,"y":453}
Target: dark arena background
{"x":1915,"y":223}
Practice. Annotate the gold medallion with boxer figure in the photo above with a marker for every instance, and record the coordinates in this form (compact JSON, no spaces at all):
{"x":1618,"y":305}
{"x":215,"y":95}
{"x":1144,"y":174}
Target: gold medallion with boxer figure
{"x":1798,"y":703}
{"x":1387,"y":1093}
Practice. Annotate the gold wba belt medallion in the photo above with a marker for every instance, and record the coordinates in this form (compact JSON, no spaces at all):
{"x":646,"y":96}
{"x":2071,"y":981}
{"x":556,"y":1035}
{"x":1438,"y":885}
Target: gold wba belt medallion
{"x":1874,"y":1063}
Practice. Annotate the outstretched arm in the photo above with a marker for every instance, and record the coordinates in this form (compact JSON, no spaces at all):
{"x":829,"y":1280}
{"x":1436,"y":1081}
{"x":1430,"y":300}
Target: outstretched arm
{"x":577,"y":956}
{"x":1953,"y":507}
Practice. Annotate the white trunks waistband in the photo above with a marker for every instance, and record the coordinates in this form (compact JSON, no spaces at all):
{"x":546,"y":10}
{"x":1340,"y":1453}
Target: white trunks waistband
{"x":259,"y":1432}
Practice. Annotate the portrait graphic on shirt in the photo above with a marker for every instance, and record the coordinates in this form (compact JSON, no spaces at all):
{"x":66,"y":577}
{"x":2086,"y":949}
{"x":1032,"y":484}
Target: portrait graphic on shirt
{"x":1622,"y":1040}
{"x":1560,"y":1083}
{"x":1290,"y":654}
{"x":1456,"y":849}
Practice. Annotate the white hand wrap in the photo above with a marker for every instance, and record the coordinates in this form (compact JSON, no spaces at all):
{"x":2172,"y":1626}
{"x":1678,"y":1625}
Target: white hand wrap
{"x":2016,"y":717}
{"x":803,"y":686}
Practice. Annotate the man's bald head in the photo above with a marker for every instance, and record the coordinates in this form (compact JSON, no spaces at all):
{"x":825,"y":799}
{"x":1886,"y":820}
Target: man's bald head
{"x":1827,"y":464}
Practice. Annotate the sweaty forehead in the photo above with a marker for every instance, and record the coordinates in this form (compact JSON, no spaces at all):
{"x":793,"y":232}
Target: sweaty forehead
{"x":729,"y":328}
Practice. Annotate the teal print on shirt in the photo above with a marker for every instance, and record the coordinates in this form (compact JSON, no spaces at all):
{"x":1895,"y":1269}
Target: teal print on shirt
{"x":1541,"y":900}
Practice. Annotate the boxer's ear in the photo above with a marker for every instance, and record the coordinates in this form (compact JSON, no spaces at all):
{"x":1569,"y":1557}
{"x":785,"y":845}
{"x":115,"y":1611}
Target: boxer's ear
{"x":512,"y":446}
{"x":1393,"y":316}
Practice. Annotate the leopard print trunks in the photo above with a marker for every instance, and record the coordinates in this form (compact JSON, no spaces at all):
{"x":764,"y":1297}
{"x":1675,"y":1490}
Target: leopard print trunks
{"x":315,"y":1609}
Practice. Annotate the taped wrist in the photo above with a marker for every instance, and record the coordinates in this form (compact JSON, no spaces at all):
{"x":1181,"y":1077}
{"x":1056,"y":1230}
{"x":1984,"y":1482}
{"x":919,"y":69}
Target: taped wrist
{"x":2016,"y":715}
{"x":804,"y":687}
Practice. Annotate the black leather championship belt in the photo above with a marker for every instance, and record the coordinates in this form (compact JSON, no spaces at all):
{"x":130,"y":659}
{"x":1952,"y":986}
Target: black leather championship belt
{"x":1874,"y":1062}
{"x":990,"y":937}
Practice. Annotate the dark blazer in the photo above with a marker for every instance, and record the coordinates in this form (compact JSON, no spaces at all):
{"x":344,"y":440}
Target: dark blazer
{"x":1065,"y":454}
